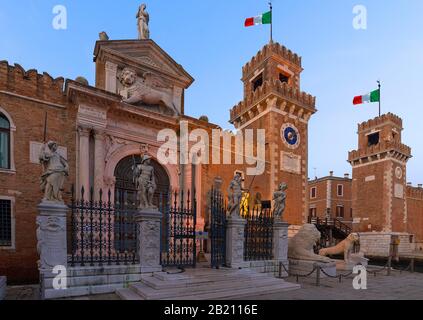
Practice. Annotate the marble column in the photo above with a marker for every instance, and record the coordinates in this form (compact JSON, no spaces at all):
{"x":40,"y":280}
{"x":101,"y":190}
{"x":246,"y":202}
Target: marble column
{"x":84,"y":159}
{"x":235,"y":242}
{"x":149,"y":224}
{"x":99,"y":164}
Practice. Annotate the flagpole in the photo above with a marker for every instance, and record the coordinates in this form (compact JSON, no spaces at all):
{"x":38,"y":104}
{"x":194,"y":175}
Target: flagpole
{"x":271,"y":21}
{"x":380,"y":97}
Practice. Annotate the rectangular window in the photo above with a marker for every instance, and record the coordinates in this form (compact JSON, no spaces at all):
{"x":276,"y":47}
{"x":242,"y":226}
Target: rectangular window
{"x":340,"y":190}
{"x":313,"y":212}
{"x":313,"y":193}
{"x":258,"y":82}
{"x":340,"y":211}
{"x":373,"y":139}
{"x":5,"y":223}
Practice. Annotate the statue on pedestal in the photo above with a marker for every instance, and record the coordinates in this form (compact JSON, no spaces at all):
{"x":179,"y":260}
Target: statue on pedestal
{"x":56,"y":168}
{"x":145,"y":183}
{"x":143,"y":19}
{"x":235,"y":195}
{"x":279,"y":197}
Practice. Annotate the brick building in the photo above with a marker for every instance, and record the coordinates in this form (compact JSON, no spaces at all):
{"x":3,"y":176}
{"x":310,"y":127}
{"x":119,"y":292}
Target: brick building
{"x":100,"y":135}
{"x":378,"y":198}
{"x":330,"y":197}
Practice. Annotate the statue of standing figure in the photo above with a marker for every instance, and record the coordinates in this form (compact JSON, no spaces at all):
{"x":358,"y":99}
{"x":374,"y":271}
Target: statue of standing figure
{"x":279,"y":197}
{"x":56,"y":168}
{"x":143,"y":19}
{"x":145,"y":183}
{"x":235,"y":195}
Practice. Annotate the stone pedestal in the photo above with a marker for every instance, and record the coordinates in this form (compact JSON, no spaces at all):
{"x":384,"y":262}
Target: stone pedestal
{"x":280,"y":243}
{"x":51,"y":236}
{"x":51,"y":241}
{"x":2,"y":288}
{"x":235,"y":242}
{"x":149,"y":224}
{"x":354,"y":260}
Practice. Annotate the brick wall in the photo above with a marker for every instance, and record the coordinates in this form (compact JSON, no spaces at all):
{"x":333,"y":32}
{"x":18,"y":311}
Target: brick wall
{"x":18,"y":89}
{"x":415,"y":212}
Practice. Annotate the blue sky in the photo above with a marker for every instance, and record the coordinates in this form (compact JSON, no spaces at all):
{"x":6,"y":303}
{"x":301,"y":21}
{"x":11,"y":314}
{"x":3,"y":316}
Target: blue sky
{"x":208,"y":38}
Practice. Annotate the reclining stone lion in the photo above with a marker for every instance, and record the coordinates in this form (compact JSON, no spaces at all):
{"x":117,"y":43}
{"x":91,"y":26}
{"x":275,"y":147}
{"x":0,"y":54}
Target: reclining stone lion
{"x":345,"y":247}
{"x":300,"y":247}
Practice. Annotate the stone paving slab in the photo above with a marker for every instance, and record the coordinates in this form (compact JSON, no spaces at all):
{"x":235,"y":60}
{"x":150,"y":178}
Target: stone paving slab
{"x":398,"y":286}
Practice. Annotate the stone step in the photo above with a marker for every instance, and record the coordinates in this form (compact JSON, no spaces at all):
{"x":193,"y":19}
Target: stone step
{"x":191,"y":282}
{"x":241,"y":293}
{"x":128,"y":294}
{"x":149,"y":293}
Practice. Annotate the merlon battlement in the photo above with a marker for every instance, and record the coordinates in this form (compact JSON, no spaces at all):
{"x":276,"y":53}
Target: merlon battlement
{"x":383,"y":119}
{"x":30,"y":83}
{"x":266,"y":51}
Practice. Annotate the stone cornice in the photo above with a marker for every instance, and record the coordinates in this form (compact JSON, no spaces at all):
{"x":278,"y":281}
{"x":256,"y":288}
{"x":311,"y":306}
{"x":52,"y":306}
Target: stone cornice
{"x":393,"y":149}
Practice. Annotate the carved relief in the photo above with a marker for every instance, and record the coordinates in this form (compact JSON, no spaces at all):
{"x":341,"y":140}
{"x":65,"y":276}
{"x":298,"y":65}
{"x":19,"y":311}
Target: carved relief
{"x":149,"y":232}
{"x":51,"y":244}
{"x":148,"y":91}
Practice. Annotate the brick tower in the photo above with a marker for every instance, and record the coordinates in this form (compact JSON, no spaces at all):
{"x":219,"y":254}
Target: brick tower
{"x":273,"y":101}
{"x":379,"y":176}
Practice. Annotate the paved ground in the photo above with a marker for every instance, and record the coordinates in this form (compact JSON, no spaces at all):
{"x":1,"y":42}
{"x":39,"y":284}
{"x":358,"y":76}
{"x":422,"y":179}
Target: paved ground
{"x":398,"y":286}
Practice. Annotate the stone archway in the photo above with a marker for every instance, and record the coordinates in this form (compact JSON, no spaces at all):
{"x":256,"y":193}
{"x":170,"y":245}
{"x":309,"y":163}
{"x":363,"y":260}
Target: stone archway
{"x":125,"y":189}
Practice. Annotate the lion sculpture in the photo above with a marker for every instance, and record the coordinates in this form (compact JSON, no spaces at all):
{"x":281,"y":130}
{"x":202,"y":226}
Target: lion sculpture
{"x":345,"y":247}
{"x":300,"y":247}
{"x":148,"y":90}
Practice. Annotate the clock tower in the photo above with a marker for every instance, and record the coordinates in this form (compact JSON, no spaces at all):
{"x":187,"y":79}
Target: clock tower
{"x":379,"y":176}
{"x":273,"y":101}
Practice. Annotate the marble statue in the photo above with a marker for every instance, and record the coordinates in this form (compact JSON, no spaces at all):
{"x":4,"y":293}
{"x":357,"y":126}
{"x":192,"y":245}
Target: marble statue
{"x":235,"y":195}
{"x":56,"y":168}
{"x":279,"y":197}
{"x":300,"y":247}
{"x":145,"y":183}
{"x":143,"y":19}
{"x":149,"y":90}
{"x":345,"y":247}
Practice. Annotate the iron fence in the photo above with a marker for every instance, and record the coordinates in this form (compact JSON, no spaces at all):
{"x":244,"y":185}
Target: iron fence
{"x":102,"y":232}
{"x":217,"y":229}
{"x":178,"y":243}
{"x":258,"y":243}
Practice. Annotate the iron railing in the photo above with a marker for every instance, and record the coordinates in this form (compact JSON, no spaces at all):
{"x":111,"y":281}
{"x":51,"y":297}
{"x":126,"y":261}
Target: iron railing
{"x":217,"y":229}
{"x":178,"y":243}
{"x":258,"y":243}
{"x":102,"y":232}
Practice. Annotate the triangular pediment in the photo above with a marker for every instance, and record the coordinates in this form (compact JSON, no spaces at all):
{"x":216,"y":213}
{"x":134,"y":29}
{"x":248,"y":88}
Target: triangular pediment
{"x":143,"y":55}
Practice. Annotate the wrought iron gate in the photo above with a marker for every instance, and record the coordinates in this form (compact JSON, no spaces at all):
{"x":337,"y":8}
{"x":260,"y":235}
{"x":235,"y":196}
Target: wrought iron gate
{"x":178,"y":243}
{"x":217,"y":229}
{"x":258,"y":243}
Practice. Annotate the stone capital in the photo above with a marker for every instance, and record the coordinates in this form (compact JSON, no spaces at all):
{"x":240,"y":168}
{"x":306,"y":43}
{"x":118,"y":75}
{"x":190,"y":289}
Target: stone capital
{"x":84,"y":131}
{"x":148,"y":215}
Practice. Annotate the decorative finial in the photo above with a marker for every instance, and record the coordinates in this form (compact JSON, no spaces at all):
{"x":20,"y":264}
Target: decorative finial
{"x":143,"y":19}
{"x":103,"y":36}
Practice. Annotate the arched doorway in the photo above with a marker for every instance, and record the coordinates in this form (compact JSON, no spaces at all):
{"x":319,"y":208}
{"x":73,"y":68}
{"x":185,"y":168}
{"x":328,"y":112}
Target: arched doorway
{"x":125,"y":190}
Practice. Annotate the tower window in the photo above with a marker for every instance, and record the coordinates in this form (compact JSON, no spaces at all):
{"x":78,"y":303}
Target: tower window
{"x":258,"y":82}
{"x":283,"y":78}
{"x":373,"y":139}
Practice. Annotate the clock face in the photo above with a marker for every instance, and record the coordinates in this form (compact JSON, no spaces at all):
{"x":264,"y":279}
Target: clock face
{"x":290,"y":135}
{"x":398,"y":172}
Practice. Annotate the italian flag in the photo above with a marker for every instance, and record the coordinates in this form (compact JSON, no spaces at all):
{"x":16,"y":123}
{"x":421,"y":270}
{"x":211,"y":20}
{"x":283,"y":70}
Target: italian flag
{"x":373,"y":96}
{"x":265,"y":18}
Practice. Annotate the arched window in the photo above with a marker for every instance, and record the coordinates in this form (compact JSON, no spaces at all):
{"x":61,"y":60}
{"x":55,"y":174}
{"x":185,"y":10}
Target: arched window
{"x":4,"y":142}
